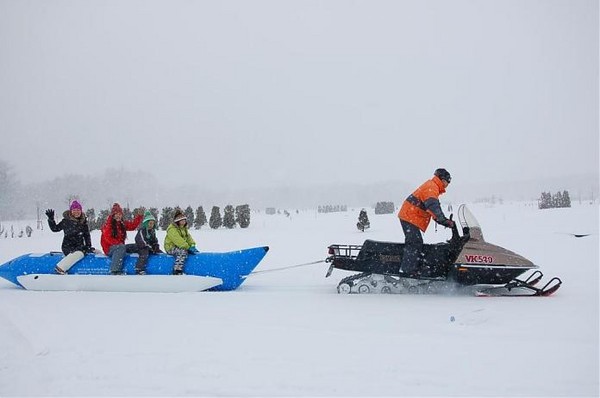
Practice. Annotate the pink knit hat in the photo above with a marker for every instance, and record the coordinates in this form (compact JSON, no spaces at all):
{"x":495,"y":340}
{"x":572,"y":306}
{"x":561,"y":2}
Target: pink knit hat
{"x":75,"y":205}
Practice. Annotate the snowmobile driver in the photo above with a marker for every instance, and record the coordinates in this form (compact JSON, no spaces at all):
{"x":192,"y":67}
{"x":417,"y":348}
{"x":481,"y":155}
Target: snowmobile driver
{"x":415,"y":214}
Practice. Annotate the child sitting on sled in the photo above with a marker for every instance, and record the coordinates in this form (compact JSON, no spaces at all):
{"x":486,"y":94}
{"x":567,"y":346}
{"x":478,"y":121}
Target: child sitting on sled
{"x":113,"y":236}
{"x":76,"y":242}
{"x":179,"y":242}
{"x":146,"y":241}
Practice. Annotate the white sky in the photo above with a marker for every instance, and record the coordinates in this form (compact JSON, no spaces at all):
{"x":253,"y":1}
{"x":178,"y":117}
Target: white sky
{"x":270,"y":92}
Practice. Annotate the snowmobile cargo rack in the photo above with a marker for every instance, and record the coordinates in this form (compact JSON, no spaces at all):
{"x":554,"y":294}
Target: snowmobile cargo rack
{"x":348,"y":251}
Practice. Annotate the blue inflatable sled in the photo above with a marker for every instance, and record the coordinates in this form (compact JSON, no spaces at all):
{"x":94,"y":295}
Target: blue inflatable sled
{"x":231,"y":267}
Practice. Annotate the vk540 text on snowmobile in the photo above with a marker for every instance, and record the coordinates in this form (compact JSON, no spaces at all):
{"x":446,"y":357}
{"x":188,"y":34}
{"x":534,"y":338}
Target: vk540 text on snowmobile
{"x":464,"y":261}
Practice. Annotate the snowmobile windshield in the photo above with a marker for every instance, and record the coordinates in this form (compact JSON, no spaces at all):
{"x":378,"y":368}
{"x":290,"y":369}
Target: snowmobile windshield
{"x":467,"y":219}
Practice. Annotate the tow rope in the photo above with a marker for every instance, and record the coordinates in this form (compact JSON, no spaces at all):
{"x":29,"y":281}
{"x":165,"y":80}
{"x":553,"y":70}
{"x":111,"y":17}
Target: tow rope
{"x":284,"y":268}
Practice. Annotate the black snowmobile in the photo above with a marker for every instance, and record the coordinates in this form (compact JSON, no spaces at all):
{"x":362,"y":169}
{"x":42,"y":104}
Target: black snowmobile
{"x":466,"y":260}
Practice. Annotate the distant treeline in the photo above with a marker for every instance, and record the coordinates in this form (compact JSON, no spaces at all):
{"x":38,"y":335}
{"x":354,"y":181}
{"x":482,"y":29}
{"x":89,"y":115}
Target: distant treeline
{"x":384,"y":208}
{"x":332,"y":208}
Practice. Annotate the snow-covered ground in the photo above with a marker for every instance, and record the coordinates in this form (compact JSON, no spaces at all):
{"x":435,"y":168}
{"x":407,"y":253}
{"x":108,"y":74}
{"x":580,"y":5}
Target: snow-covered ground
{"x":289,"y":333}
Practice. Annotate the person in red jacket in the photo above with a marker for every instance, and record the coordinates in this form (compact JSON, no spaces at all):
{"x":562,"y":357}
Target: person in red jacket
{"x":114,"y":233}
{"x":416,"y":213}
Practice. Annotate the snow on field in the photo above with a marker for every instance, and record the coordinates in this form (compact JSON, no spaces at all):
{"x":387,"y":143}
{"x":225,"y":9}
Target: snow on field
{"x":289,"y":333}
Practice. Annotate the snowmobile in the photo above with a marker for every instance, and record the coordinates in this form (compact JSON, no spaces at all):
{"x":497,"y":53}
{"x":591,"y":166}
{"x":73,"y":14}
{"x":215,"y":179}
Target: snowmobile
{"x":463,"y":263}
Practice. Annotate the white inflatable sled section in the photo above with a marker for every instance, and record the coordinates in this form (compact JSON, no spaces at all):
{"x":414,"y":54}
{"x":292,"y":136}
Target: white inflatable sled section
{"x":119,"y":283}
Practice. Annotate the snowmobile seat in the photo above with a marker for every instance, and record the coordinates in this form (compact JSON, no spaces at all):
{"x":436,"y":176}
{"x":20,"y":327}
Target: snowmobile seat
{"x":385,"y":258}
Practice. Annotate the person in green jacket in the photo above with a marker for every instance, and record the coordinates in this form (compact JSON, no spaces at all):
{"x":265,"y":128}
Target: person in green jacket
{"x":179,"y":242}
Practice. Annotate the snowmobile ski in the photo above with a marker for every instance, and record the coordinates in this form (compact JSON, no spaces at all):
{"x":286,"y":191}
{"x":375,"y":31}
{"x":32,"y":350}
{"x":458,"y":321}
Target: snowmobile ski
{"x":518,"y":288}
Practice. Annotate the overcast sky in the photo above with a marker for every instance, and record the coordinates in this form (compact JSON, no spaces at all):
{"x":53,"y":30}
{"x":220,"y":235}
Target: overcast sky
{"x":293,"y":92}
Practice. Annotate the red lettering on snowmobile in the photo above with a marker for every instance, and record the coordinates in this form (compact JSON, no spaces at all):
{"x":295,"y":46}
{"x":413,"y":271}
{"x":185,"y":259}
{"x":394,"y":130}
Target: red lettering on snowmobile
{"x":479,"y":258}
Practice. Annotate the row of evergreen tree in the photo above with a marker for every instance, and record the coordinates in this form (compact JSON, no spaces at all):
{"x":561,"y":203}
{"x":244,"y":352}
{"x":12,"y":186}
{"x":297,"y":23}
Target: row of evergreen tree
{"x":239,"y":215}
{"x":332,"y":208}
{"x":559,"y":199}
{"x":384,"y":208}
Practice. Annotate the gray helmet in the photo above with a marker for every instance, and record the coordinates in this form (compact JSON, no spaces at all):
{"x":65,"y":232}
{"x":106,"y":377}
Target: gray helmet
{"x":443,"y":175}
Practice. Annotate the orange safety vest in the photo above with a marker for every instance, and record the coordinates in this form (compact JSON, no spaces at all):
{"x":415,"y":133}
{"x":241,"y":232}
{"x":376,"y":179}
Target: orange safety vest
{"x":413,"y":209}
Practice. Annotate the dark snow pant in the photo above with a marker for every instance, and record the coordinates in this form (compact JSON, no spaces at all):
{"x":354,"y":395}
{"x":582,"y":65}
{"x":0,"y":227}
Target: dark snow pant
{"x":180,"y":257}
{"x":117,"y":253}
{"x":413,"y":244}
{"x":142,"y":261}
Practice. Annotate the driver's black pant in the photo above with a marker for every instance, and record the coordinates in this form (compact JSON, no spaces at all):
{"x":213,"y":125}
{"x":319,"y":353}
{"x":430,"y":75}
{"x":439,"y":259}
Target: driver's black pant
{"x":413,"y":245}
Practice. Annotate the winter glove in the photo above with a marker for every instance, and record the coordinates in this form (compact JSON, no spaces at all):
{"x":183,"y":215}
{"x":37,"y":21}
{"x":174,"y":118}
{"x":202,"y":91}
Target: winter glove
{"x":91,"y":250}
{"x":448,"y":223}
{"x":50,"y":214}
{"x":193,"y":250}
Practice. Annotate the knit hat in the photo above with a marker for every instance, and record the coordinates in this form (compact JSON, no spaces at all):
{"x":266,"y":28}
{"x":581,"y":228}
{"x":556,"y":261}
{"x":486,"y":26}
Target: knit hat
{"x":148,"y":216}
{"x":443,"y":175}
{"x":116,"y":208}
{"x":178,"y":216}
{"x":75,"y":205}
